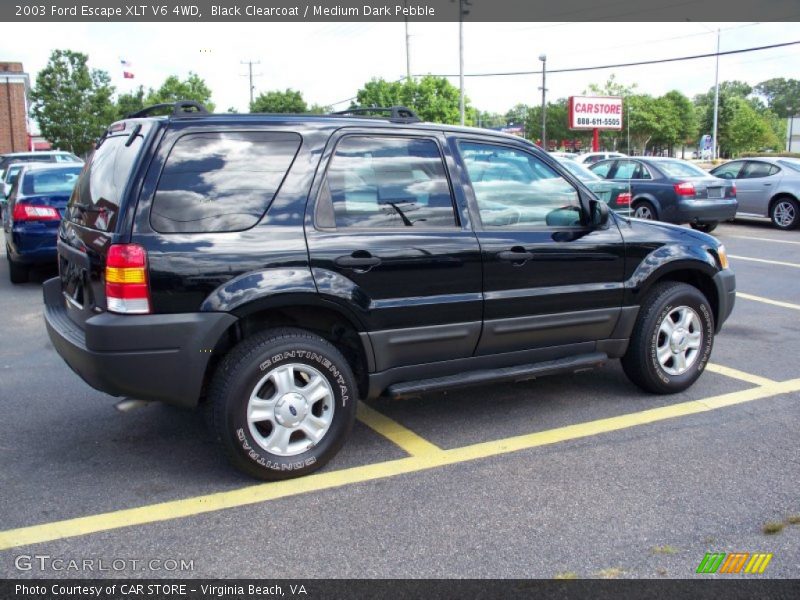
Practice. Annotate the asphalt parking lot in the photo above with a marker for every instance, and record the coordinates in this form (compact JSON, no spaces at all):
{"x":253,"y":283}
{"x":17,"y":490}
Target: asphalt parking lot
{"x":580,"y":475}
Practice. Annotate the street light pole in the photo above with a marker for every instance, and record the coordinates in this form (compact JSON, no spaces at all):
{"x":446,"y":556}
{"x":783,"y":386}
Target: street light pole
{"x":790,"y":110}
{"x":543,"y":58}
{"x":716,"y":105}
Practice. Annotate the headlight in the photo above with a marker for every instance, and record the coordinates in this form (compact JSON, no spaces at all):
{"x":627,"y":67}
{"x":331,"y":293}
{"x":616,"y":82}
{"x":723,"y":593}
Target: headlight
{"x":722,"y":254}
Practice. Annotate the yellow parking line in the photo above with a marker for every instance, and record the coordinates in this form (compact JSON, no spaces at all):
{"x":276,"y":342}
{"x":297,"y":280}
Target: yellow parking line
{"x":258,"y":493}
{"x":736,"y":374}
{"x":393,"y":431}
{"x":768,"y":301}
{"x":763,"y":239}
{"x":763,"y":260}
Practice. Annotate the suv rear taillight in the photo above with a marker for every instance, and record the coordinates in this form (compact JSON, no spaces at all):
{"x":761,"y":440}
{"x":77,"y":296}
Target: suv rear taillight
{"x":127,"y":291}
{"x":624,"y":199}
{"x":32,"y":212}
{"x":685,"y":188}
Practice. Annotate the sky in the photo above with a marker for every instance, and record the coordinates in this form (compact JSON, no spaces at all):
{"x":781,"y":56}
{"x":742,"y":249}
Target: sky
{"x":328,"y":62}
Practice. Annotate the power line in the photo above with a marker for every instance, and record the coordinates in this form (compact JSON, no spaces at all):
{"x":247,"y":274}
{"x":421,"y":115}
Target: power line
{"x":630,"y":64}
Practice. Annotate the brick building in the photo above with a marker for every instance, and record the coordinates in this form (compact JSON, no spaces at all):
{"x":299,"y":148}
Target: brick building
{"x":14,"y":88}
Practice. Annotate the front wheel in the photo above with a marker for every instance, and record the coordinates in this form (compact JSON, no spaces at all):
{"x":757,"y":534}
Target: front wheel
{"x":785,"y":213}
{"x":672,"y":339}
{"x":705,"y":227}
{"x":284,"y":402}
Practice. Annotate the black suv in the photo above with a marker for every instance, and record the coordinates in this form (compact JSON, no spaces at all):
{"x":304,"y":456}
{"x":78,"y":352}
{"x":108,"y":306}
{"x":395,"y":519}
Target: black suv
{"x":281,"y":267}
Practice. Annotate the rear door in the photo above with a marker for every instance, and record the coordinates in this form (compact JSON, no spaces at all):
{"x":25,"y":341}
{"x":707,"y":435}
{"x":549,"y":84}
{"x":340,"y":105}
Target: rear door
{"x":550,"y":280}
{"x":387,"y":240}
{"x":756,"y":184}
{"x":94,"y":216}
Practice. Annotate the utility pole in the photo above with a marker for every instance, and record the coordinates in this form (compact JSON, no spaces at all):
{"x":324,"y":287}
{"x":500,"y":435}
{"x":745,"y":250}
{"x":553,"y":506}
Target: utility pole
{"x":462,"y":12}
{"x":716,"y":104}
{"x":790,"y":110}
{"x":543,"y":58}
{"x":408,"y":46}
{"x":250,"y":75}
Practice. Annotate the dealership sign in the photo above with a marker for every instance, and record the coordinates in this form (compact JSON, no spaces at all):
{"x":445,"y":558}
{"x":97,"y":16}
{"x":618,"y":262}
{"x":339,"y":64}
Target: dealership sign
{"x":595,"y":112}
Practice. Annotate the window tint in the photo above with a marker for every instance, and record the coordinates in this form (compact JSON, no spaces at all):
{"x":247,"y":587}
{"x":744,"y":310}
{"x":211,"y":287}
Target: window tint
{"x":515,"y":189}
{"x":389,"y":182}
{"x":221,"y":181}
{"x":103,"y":181}
{"x":602,"y":169}
{"x":50,"y":181}
{"x":728,"y":171}
{"x":754,"y":170}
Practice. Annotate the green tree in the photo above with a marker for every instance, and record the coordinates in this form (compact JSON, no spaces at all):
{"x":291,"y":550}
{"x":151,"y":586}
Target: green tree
{"x":174,"y":89}
{"x":780,"y":94}
{"x":678,"y":125}
{"x":747,"y":130}
{"x":644,"y":115}
{"x":72,"y":103}
{"x":433,"y":98}
{"x":289,"y":101}
{"x":517,"y":114}
{"x":611,"y":87}
{"x":130,"y":102}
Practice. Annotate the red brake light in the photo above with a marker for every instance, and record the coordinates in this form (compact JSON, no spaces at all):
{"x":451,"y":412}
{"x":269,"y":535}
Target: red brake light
{"x":685,"y":188}
{"x":624,"y":199}
{"x":733,"y":190}
{"x":127,"y":290}
{"x":32,"y":212}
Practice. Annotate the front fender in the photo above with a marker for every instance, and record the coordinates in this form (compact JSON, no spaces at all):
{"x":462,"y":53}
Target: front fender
{"x":667,"y":259}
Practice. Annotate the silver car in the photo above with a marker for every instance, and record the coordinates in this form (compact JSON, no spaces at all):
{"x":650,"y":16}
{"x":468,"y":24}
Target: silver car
{"x":766,"y":187}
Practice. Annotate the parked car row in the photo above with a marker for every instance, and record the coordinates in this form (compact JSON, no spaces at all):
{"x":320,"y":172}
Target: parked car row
{"x":35,"y":189}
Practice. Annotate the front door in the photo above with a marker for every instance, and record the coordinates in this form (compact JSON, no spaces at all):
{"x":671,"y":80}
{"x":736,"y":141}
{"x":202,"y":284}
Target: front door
{"x":755,"y":185}
{"x":550,"y":280}
{"x":387,"y":242}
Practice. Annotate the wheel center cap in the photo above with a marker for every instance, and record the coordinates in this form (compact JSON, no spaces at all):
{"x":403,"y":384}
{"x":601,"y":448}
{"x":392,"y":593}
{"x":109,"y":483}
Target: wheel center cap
{"x":679,"y":340}
{"x":291,"y":409}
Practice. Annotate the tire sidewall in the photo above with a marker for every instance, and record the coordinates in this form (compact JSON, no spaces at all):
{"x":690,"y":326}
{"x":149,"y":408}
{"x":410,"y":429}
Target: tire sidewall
{"x":250,"y":371}
{"x":698,"y":303}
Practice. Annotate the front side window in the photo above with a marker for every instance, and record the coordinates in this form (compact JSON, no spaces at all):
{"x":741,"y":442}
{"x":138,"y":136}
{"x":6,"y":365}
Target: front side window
{"x":602,"y":169}
{"x":627,"y":169}
{"x":728,"y":171}
{"x":376,"y":182}
{"x":515,"y":189}
{"x":215,"y":182}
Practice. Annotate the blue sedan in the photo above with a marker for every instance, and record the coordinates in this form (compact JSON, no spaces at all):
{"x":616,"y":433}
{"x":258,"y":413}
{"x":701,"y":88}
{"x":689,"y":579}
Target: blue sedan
{"x":33,"y":215}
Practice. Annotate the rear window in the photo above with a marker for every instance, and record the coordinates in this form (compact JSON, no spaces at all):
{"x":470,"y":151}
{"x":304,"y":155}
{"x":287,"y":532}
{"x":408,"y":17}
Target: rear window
{"x":579,"y":171}
{"x":215,"y":182}
{"x":95,"y":203}
{"x":676,"y":168}
{"x":50,"y":181}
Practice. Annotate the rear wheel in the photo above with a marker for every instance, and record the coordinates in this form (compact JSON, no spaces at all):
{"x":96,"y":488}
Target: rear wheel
{"x":705,"y":227}
{"x":644,"y":210}
{"x":284,"y":402}
{"x":17,"y":272}
{"x":672,"y":339}
{"x":785,"y":213}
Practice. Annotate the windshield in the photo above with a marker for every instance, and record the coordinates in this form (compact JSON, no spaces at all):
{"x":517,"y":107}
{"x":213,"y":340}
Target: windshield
{"x":677,"y":168}
{"x":50,"y":181}
{"x":794,"y":165}
{"x":579,"y":170}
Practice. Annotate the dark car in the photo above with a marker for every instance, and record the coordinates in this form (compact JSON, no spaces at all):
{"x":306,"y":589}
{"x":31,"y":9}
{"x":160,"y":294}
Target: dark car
{"x":672,"y":190}
{"x":615,"y":194}
{"x":281,"y":267}
{"x":33,"y":213}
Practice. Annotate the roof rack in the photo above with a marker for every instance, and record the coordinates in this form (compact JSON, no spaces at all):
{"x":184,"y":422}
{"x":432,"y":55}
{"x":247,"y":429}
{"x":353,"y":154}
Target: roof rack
{"x":181,"y":108}
{"x":396,"y":114}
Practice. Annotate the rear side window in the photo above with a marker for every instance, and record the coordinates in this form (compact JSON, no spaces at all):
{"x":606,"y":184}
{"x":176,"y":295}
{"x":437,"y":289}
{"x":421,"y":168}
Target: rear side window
{"x":389,"y":182}
{"x":215,"y":182}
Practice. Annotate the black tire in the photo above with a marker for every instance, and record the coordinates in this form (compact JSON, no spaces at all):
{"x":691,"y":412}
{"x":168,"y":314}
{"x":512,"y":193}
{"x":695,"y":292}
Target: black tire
{"x":641,"y":363}
{"x":241,"y":371}
{"x":705,"y":227}
{"x":645,"y":208}
{"x":17,"y":273}
{"x":785,"y":213}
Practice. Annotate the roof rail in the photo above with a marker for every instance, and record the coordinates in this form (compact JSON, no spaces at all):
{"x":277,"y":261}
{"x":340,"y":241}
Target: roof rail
{"x":396,"y":114}
{"x":181,"y":108}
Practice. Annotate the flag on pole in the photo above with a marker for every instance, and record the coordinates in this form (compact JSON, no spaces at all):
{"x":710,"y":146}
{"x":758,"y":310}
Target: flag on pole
{"x":127,"y":73}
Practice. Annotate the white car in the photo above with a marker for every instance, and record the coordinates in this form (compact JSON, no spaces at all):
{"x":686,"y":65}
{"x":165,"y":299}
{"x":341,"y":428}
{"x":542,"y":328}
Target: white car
{"x":589,"y":158}
{"x":567,"y":155}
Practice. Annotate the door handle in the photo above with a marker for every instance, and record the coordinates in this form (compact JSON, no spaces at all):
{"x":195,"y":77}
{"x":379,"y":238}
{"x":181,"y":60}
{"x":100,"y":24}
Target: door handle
{"x":767,"y":184}
{"x":515,"y":255}
{"x":358,"y":260}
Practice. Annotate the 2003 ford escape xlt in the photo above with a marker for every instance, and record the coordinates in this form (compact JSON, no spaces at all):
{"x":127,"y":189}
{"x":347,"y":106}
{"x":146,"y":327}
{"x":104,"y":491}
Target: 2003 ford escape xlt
{"x":282,"y":267}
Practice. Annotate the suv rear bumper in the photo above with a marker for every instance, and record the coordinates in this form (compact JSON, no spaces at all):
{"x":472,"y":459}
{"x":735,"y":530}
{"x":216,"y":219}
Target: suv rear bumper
{"x":147,"y":357}
{"x":725,"y":282}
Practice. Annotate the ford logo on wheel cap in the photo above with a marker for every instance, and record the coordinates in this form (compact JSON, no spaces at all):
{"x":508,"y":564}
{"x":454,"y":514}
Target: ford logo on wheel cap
{"x":293,"y":410}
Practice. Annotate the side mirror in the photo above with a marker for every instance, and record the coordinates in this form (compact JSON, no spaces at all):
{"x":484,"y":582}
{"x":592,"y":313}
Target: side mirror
{"x":599,"y":213}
